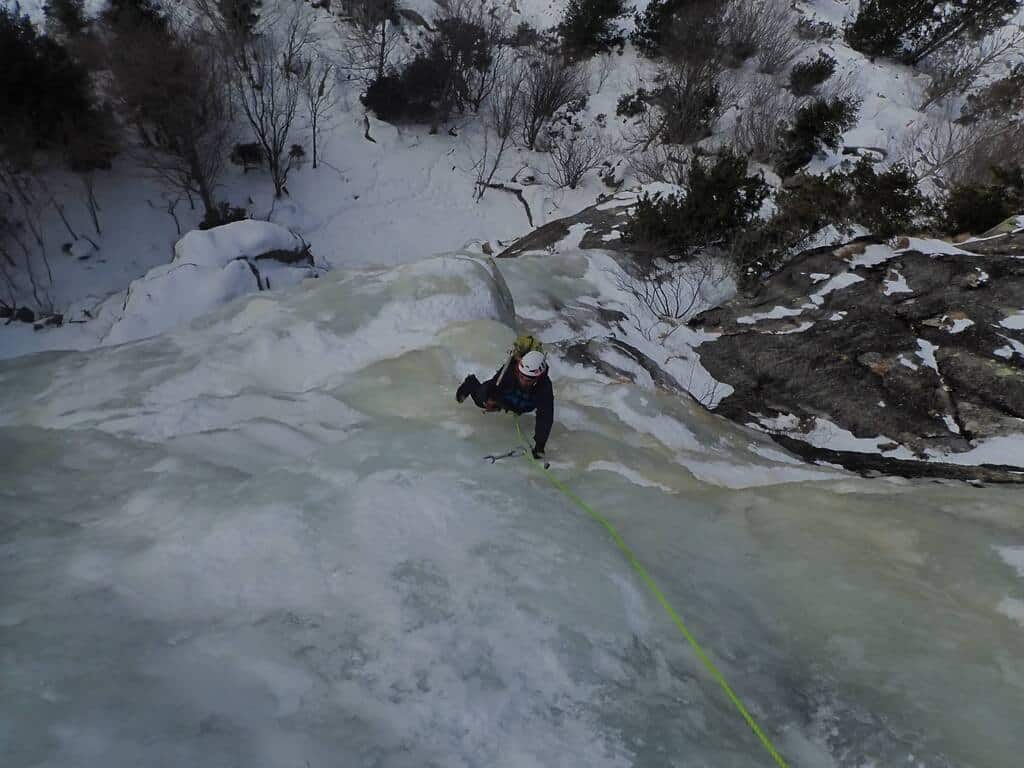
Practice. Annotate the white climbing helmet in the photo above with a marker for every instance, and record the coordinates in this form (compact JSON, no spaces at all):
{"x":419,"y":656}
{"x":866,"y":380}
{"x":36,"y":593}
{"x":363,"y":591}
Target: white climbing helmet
{"x":533,"y":364}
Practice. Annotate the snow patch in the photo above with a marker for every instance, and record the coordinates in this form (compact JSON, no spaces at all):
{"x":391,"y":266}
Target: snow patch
{"x":837,"y":283}
{"x":1012,"y":346}
{"x":1014,"y":321}
{"x":775,"y":314}
{"x":926,"y":351}
{"x":824,"y":434}
{"x":1004,"y":450}
{"x":805,"y":325}
{"x":872,"y":256}
{"x":932,"y":247}
{"x":897,"y":284}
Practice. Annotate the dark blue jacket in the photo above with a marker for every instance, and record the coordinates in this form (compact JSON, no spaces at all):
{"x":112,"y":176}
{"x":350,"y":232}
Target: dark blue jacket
{"x":510,"y":396}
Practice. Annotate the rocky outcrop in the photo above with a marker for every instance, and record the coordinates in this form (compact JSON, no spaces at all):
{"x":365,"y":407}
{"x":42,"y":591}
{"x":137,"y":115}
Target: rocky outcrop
{"x":602,"y":223}
{"x":881,"y":359}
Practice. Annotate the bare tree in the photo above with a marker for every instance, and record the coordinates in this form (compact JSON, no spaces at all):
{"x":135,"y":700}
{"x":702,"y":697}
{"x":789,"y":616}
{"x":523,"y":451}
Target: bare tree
{"x":90,"y":149}
{"x":742,"y":30}
{"x":173,"y":87}
{"x":670,"y":294}
{"x":778,"y":44}
{"x":170,"y":203}
{"x":947,"y":153}
{"x":604,"y":69}
{"x":320,"y":93}
{"x":502,"y":117}
{"x":761,"y":123}
{"x":667,"y":163}
{"x":472,"y":17}
{"x":268,"y":84}
{"x":370,"y":36}
{"x":573,"y":155}
{"x":22,"y":241}
{"x":956,"y":68}
{"x":549,"y":83}
{"x":690,"y":98}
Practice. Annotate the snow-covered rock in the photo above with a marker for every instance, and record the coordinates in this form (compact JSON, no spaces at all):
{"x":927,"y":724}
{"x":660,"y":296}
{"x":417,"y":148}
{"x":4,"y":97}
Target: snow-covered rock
{"x":210,"y":268}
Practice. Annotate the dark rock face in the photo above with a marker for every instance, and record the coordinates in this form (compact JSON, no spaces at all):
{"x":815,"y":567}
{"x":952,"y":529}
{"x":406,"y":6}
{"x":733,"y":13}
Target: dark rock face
{"x":602,"y":220}
{"x":906,"y":345}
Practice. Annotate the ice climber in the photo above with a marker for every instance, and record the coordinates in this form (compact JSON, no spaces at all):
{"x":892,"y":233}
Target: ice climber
{"x":521,"y":385}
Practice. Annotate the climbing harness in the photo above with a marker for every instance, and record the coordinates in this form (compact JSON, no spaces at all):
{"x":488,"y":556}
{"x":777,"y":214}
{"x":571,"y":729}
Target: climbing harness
{"x":660,"y":597}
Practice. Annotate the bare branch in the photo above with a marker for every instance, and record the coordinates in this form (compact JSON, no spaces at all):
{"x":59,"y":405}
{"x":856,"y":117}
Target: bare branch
{"x":319,"y":89}
{"x":573,"y":155}
{"x":502,"y":117}
{"x":956,"y":68}
{"x":268,"y":84}
{"x":670,"y":294}
{"x":762,"y":121}
{"x":549,"y":83}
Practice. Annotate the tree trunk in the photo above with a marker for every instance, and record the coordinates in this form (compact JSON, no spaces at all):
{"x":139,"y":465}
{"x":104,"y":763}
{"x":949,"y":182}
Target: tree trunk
{"x":383,"y":45}
{"x":202,"y":183}
{"x":90,"y":197}
{"x":313,"y":120}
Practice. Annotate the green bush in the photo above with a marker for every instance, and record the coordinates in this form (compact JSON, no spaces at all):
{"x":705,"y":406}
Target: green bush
{"x":719,"y":201}
{"x":690,"y":105}
{"x":817,"y":125}
{"x":632,"y":104}
{"x":886,"y":203}
{"x":437,"y":82}
{"x":909,"y":31}
{"x":687,"y":27}
{"x":46,"y":95}
{"x":999,"y":99}
{"x":588,"y":26}
{"x":808,"y":75}
{"x":68,"y":16}
{"x":524,"y":36}
{"x":976,"y":208}
{"x":808,"y":29}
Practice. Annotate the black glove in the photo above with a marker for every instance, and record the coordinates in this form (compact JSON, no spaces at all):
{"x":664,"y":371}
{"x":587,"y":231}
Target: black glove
{"x":538,"y":453}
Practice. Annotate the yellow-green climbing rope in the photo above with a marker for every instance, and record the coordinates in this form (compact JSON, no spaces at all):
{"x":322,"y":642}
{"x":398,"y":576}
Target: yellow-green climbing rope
{"x":660,"y":597}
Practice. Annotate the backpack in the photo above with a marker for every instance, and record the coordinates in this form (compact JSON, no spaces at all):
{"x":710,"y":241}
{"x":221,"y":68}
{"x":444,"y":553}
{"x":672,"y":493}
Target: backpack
{"x":524,"y":344}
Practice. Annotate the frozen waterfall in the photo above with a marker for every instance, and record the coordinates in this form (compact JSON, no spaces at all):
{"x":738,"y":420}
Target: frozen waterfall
{"x":268,"y":540}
